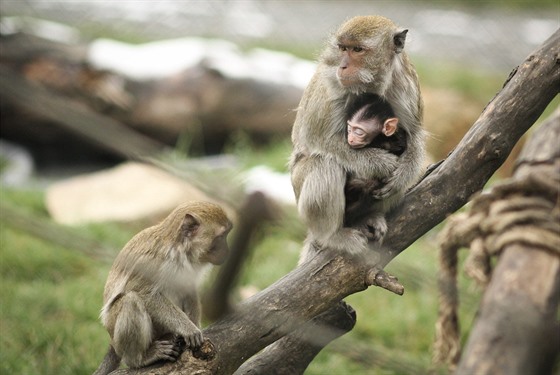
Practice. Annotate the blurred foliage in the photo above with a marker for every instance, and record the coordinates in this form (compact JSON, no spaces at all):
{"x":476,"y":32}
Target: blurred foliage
{"x":250,"y":154}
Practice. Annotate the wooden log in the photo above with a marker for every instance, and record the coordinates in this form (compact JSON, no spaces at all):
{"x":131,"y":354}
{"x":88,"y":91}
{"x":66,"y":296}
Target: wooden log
{"x":516,"y":331}
{"x":76,"y":117}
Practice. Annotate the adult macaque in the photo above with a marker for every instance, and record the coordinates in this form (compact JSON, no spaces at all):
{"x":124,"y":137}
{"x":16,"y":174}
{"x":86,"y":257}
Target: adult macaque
{"x":364,"y":57}
{"x":151,"y":305}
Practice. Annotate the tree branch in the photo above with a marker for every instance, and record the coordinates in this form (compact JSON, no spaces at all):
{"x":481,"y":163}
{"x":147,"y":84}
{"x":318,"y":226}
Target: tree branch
{"x":526,"y":93}
{"x":255,"y":212}
{"x":324,"y":281}
{"x":303,"y":345}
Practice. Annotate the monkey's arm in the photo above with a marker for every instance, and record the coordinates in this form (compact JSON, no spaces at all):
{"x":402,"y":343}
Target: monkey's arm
{"x":366,"y":163}
{"x":407,"y":170}
{"x":169,"y":316}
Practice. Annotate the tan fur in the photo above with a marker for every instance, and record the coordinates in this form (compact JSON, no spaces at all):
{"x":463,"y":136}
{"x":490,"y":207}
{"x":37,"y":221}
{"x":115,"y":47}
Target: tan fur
{"x":151,"y":298}
{"x":322,"y":159}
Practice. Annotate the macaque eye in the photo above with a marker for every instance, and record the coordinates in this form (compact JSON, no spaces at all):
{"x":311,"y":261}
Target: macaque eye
{"x":356,"y":131}
{"x":357,"y":49}
{"x":359,"y":132}
{"x":342,"y":48}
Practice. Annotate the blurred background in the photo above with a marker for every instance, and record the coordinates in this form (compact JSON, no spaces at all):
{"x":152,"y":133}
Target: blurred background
{"x":113,"y":112}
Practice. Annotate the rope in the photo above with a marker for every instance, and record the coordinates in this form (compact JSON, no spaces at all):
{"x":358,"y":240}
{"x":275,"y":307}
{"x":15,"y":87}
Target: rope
{"x":523,"y":212}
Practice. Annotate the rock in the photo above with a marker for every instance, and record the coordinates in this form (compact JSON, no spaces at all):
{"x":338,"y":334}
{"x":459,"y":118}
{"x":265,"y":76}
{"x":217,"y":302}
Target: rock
{"x":128,"y":192}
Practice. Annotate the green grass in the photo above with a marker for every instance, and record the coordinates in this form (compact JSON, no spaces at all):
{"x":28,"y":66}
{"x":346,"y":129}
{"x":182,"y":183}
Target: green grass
{"x":50,"y":301}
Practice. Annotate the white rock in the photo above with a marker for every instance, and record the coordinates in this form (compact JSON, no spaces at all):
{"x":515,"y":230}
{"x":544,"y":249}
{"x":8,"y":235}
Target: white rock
{"x":275,"y":185}
{"x":128,"y":192}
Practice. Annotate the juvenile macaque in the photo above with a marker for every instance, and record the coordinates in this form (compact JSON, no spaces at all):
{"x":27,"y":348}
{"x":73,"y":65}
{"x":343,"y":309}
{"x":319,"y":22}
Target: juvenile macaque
{"x":364,"y":57}
{"x":151,"y":305}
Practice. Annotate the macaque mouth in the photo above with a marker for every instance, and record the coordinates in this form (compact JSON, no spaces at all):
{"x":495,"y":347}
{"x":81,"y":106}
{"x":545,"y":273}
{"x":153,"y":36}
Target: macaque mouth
{"x":345,"y":81}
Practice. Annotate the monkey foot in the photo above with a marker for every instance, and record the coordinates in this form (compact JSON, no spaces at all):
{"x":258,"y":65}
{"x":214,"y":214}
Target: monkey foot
{"x":375,"y":229}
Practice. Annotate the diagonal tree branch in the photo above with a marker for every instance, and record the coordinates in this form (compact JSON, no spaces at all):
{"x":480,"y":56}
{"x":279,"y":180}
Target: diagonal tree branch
{"x":525,"y":95}
{"x":324,"y":281}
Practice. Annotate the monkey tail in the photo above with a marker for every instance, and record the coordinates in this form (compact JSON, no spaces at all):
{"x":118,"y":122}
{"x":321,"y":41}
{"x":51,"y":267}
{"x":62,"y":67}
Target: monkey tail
{"x":110,"y":363}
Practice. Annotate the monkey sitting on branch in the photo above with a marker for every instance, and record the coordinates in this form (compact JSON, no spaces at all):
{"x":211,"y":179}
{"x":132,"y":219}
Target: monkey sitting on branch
{"x":151,"y":305}
{"x":364,"y":57}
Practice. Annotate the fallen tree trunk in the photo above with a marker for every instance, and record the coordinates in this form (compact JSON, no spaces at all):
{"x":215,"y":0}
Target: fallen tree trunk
{"x":76,"y":117}
{"x":324,"y":281}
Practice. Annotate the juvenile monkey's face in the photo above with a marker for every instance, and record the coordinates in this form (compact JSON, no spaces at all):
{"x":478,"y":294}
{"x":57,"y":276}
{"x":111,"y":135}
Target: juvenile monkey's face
{"x":218,"y":249}
{"x":360,"y":134}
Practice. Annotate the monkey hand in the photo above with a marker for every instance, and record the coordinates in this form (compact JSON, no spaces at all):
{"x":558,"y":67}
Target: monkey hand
{"x":387,"y":187}
{"x":193,"y":338}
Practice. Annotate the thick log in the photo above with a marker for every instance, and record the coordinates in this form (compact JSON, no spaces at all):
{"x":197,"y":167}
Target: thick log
{"x":321,"y":283}
{"x":75,"y":117}
{"x":199,"y":108}
{"x":516,"y":331}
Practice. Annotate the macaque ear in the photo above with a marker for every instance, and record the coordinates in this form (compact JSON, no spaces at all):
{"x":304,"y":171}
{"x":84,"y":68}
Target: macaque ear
{"x":190,"y":226}
{"x":399,"y":39}
{"x":390,"y":126}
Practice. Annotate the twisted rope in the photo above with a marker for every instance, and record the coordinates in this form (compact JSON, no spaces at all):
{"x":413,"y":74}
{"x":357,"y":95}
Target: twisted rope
{"x":523,"y":212}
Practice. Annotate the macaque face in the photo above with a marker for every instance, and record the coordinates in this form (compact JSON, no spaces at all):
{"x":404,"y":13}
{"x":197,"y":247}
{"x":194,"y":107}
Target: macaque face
{"x":361,"y":133}
{"x":218,"y":250}
{"x":363,"y":52}
{"x":352,"y":62}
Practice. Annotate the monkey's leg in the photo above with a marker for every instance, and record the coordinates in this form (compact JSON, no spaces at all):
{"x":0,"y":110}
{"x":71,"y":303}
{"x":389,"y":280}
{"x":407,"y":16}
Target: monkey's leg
{"x":172,"y":319}
{"x":322,"y":204}
{"x":132,"y":337}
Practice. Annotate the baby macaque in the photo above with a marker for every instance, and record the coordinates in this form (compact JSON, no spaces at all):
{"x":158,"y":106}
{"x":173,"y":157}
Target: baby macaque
{"x":151,"y":305}
{"x":375,"y":125}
